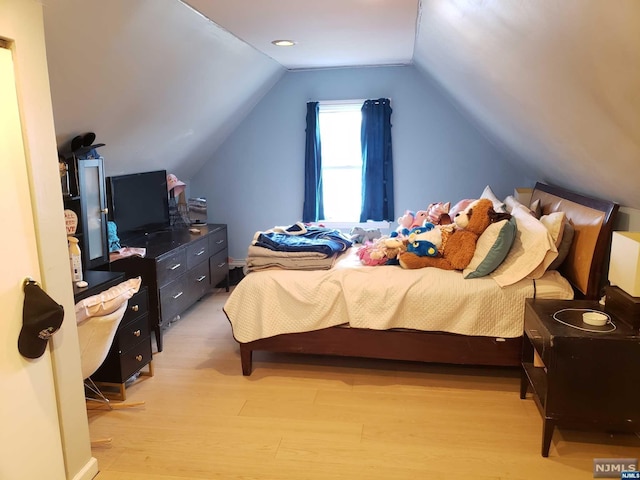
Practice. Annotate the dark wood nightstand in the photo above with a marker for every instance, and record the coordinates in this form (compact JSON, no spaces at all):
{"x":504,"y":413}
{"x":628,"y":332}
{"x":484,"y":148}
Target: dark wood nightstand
{"x":587,"y":380}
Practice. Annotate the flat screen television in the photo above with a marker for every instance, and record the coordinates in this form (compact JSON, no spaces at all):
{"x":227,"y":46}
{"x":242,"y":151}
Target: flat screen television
{"x":138,"y":203}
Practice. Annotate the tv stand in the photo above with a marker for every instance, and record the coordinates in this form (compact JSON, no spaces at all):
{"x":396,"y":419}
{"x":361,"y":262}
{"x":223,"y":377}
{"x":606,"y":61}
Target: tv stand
{"x":179,"y":268}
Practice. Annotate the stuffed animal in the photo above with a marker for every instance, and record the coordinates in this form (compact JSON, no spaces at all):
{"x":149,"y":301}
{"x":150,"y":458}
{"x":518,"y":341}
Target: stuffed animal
{"x":405,"y":221}
{"x":360,"y":235}
{"x":420,"y":218}
{"x":461,"y":244}
{"x":383,"y":251}
{"x":425,"y":240}
{"x":438,"y":213}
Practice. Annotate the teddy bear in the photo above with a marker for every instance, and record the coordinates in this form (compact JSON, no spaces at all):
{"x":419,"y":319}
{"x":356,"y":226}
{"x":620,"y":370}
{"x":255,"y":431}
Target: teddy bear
{"x":460,"y":245}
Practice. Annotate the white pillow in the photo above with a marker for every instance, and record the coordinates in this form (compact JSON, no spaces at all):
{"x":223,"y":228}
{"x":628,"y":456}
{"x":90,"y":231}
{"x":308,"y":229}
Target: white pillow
{"x":108,"y":301}
{"x":532,"y":251}
{"x":498,"y":205}
{"x":555,"y":225}
{"x":512,"y":202}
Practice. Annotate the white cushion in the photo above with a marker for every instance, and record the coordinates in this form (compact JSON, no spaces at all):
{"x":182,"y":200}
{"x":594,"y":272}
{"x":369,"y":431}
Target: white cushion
{"x":532,"y":251}
{"x":498,"y":205}
{"x":555,"y":225}
{"x":107,"y":301}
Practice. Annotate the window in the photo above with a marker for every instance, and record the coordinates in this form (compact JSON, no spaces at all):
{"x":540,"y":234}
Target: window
{"x":340,"y":125}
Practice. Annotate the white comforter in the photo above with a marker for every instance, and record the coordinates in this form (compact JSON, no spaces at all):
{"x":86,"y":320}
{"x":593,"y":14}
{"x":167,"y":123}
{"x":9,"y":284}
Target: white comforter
{"x":273,"y":302}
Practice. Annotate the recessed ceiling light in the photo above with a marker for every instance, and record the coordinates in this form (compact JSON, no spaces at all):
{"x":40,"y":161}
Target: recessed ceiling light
{"x":284,"y":43}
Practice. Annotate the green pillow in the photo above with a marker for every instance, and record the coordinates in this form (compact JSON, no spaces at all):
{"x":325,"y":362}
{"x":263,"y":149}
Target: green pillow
{"x":492,"y":248}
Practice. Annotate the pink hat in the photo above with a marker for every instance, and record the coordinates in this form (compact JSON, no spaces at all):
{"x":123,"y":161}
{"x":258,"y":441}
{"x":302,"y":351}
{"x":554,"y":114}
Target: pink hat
{"x":174,"y":183}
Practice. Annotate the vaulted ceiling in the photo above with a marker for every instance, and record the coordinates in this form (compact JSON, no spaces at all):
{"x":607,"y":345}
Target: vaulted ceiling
{"x":164,"y":82}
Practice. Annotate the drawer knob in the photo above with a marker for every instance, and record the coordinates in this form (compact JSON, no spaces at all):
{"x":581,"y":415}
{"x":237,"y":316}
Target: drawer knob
{"x":201,"y":278}
{"x":139,"y":358}
{"x":219,"y":242}
{"x":220,"y":265}
{"x":177,"y":295}
{"x":135,"y":308}
{"x":200,"y":253}
{"x":177,"y":265}
{"x":136,"y":333}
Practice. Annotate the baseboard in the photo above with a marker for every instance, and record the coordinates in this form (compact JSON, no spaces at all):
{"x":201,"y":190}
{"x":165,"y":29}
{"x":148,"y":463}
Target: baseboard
{"x":89,"y":471}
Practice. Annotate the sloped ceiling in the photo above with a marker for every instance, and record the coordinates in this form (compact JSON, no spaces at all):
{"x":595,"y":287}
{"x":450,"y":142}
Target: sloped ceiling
{"x":555,"y":82}
{"x":158,"y":83}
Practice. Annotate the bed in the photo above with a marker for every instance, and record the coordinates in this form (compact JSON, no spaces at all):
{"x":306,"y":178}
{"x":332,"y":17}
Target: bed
{"x":334,"y":312}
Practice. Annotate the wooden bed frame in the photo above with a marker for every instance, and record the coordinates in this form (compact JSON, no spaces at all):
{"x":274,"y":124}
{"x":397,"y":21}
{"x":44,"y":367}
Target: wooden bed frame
{"x":584,"y":267}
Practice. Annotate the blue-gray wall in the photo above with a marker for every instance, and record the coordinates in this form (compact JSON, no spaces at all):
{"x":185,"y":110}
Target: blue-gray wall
{"x":255,"y":179}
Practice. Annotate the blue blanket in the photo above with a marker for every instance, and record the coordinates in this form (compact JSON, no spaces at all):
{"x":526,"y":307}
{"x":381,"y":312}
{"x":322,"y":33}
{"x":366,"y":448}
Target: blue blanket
{"x":314,"y":239}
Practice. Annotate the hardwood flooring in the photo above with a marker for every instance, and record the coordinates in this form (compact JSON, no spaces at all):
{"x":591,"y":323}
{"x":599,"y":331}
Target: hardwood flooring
{"x":306,"y":417}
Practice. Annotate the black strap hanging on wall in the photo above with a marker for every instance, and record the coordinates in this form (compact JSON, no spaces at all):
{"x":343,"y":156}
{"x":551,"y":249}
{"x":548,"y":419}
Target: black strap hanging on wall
{"x":41,"y":318}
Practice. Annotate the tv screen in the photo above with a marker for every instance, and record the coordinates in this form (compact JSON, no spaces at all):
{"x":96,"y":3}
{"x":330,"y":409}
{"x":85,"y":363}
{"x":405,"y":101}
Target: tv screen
{"x":138,"y":203}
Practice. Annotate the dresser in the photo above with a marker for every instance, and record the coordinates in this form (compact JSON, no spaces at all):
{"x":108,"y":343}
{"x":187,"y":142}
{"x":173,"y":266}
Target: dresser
{"x":130,"y":351}
{"x":179,"y":267}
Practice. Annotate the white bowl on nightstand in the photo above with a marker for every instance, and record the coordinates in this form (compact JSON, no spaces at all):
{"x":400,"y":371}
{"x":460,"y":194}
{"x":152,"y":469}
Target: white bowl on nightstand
{"x":595,"y":318}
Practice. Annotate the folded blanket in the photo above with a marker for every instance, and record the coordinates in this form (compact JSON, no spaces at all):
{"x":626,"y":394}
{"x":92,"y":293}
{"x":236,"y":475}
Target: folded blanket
{"x":261,"y":263}
{"x":256,"y":251}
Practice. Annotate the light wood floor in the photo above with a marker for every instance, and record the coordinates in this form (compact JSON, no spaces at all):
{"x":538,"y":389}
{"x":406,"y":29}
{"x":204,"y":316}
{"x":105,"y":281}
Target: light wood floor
{"x":303,"y":417}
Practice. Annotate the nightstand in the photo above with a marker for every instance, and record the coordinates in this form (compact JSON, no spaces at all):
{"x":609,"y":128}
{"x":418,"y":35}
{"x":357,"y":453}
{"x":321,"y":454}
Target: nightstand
{"x":585,"y":379}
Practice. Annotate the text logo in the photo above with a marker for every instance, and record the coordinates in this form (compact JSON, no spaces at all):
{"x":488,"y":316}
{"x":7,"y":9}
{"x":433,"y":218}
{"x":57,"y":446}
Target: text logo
{"x":614,"y":467}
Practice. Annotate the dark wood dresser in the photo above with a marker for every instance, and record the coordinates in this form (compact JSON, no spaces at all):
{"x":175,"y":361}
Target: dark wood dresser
{"x":179,"y":268}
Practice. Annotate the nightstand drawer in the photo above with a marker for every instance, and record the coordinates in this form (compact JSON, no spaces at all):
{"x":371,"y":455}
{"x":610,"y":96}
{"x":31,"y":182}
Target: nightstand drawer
{"x":171,"y":266}
{"x":132,"y":332}
{"x":197,"y":252}
{"x":218,"y":241}
{"x":137,"y":306}
{"x":135,"y":359}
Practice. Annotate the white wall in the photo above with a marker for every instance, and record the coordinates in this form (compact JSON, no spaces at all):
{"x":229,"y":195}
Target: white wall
{"x":21,"y":21}
{"x":255,"y":179}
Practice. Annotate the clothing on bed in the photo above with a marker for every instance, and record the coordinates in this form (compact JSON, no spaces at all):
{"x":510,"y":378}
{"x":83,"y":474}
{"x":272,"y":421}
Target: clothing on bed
{"x":296,"y":247}
{"x":311,"y":239}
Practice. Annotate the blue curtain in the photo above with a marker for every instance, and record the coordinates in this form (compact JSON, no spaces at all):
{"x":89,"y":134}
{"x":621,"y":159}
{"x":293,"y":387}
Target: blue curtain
{"x":377,"y":161}
{"x":313,"y":208}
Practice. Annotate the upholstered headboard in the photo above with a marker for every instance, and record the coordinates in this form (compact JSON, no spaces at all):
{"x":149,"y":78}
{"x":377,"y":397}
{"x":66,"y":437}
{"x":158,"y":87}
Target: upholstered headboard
{"x":592,"y":220}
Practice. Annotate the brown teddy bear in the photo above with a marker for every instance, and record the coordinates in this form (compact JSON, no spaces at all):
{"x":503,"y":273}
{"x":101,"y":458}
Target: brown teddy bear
{"x":458,"y":251}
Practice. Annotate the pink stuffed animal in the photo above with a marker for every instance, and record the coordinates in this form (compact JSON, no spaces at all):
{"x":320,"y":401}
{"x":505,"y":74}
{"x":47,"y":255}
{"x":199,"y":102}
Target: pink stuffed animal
{"x":436,"y":211}
{"x":421,"y":217}
{"x":405,"y":221}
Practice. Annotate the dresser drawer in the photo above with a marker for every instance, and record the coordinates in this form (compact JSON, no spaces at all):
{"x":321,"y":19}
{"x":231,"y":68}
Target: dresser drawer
{"x":219,"y":267}
{"x":197,"y":252}
{"x":199,"y":281}
{"x":132,"y":332}
{"x":218,"y":241}
{"x":174,"y":298}
{"x":134,"y":359}
{"x":171,"y":266}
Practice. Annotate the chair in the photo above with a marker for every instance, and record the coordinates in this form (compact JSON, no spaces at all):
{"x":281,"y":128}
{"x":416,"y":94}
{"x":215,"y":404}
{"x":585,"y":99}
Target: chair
{"x":98,"y":318}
